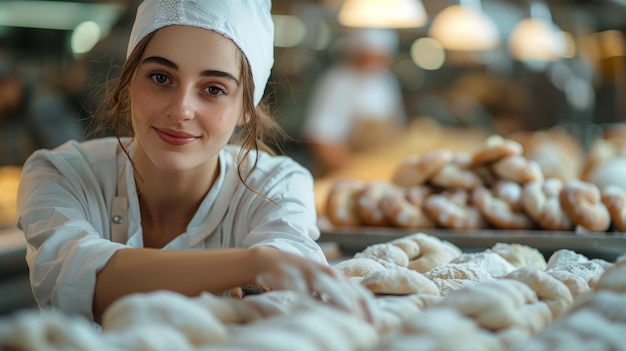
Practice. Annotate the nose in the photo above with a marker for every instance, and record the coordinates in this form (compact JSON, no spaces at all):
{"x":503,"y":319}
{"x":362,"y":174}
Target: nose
{"x":182,"y":106}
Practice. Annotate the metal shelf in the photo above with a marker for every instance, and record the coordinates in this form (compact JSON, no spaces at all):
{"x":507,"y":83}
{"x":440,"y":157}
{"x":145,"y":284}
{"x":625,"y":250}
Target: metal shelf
{"x":607,"y":246}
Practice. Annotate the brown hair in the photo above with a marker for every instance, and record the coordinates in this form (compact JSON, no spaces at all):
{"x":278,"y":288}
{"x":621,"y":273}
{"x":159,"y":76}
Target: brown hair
{"x":259,"y":133}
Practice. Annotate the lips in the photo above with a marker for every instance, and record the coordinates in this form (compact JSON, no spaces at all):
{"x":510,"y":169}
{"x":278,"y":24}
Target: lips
{"x":175,"y":137}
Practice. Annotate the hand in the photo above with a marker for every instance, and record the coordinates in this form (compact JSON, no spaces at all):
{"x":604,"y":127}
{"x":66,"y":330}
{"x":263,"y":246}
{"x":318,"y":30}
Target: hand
{"x":285,"y":271}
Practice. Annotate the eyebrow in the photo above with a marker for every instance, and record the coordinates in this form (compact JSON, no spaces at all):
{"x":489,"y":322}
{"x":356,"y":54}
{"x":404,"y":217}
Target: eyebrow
{"x":206,"y":73}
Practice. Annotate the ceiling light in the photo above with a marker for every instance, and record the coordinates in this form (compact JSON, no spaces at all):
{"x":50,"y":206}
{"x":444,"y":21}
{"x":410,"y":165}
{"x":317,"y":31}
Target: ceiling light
{"x":383,"y":13}
{"x":536,"y":38}
{"x":465,"y":27}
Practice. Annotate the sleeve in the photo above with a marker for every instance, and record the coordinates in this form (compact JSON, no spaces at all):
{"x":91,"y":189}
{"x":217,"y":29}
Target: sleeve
{"x":329,"y":114}
{"x":64,"y":249}
{"x":290,"y":222}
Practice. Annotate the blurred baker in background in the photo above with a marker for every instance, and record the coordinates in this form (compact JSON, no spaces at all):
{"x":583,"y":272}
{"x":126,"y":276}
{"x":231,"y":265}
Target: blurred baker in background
{"x":357,"y":104}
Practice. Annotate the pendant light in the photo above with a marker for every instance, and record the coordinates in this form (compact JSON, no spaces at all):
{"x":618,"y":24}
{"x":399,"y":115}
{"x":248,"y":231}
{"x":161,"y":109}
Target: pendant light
{"x":383,"y":13}
{"x":465,"y":27}
{"x":537,"y":38}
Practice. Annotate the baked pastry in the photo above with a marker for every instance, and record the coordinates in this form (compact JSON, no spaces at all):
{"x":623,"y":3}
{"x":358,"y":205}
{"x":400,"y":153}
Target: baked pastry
{"x":582,"y":202}
{"x":541,"y":201}
{"x":341,"y":202}
{"x":456,"y":176}
{"x":368,"y":206}
{"x":499,"y":212}
{"x":496,"y":148}
{"x":614,"y":198}
{"x":418,"y":169}
{"x":400,"y":212}
{"x":453,"y":209}
{"x":517,"y":168}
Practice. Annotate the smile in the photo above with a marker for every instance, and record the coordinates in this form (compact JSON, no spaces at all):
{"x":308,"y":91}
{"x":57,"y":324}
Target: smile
{"x":173,"y":137}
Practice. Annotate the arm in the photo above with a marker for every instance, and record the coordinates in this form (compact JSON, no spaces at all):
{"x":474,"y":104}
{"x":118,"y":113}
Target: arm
{"x":187,"y":272}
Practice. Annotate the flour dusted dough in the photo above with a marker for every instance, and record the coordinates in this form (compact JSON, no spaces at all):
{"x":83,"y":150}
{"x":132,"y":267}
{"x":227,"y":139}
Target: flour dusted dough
{"x":614,"y":278}
{"x":386,"y":254}
{"x":549,"y":289}
{"x":564,"y":257}
{"x":399,"y":281}
{"x":433,"y":252}
{"x":493,"y":305}
{"x":489,"y":262}
{"x":358,"y":267}
{"x":47,"y":330}
{"x":440,"y":329}
{"x":320,"y":328}
{"x":520,"y":255}
{"x":168,"y":309}
{"x":410,"y":247}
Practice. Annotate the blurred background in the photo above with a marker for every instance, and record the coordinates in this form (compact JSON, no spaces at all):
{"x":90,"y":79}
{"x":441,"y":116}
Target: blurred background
{"x":502,"y":65}
{"x":493,"y":66}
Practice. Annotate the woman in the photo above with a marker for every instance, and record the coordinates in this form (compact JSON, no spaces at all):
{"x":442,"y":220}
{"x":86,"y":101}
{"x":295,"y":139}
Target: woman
{"x":176,"y":206}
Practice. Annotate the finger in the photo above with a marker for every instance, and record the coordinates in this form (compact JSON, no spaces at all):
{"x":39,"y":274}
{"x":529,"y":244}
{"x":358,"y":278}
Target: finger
{"x":333,"y":290}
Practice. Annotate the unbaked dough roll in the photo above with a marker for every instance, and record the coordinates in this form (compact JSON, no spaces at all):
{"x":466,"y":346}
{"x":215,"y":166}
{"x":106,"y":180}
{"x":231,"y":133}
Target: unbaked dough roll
{"x":520,"y":255}
{"x":433,"y":252}
{"x":549,"y":289}
{"x":493,"y":305}
{"x":399,"y":281}
{"x":614,"y":278}
{"x":387,"y":254}
{"x":486,"y":261}
{"x":165,"y":308}
{"x":358,"y":267}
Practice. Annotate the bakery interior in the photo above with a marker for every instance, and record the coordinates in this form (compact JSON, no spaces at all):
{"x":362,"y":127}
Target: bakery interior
{"x":551,"y":102}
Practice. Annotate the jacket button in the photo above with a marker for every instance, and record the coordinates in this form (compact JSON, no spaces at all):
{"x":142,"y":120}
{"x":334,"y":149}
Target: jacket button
{"x":117,"y":219}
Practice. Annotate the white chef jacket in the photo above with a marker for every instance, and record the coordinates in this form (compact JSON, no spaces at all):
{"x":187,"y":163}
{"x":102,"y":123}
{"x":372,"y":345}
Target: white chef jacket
{"x":73,"y":201}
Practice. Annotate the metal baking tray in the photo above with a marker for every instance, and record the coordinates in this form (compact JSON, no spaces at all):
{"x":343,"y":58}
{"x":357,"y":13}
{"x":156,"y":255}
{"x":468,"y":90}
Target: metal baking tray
{"x":607,"y":246}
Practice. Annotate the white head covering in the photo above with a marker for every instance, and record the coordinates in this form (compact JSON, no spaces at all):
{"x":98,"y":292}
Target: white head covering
{"x":248,"y":23}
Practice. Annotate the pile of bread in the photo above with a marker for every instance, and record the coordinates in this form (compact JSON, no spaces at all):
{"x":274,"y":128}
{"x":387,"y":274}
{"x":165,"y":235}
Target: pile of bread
{"x":9,"y":181}
{"x":426,"y":295}
{"x":535,"y":180}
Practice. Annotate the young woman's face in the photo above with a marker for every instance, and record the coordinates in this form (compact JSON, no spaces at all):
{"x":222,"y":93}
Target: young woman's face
{"x":186,"y":98}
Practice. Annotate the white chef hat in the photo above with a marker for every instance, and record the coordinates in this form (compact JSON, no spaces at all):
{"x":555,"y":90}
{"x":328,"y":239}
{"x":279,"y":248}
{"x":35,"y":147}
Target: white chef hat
{"x":248,"y":23}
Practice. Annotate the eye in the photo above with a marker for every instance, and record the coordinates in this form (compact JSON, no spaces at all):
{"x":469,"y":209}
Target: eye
{"x":159,"y":78}
{"x":215,"y":90}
